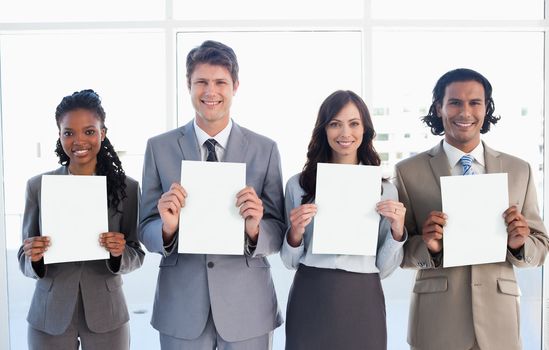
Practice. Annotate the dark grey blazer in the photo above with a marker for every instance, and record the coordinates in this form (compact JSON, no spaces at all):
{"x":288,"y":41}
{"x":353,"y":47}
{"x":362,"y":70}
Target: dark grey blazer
{"x":238,"y":289}
{"x":57,"y":285}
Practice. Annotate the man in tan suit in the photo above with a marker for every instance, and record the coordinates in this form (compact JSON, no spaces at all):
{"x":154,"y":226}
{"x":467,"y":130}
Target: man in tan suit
{"x":466,"y":307}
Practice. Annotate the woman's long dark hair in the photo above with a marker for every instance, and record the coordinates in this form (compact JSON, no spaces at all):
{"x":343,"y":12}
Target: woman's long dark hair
{"x":319,"y":150}
{"x":108,"y":163}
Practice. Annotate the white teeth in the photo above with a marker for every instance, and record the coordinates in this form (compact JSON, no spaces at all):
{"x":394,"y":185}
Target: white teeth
{"x":80,"y":152}
{"x":464,"y":124}
{"x":211,"y":103}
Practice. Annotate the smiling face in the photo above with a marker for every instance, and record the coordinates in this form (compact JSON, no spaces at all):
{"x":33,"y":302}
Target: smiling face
{"x":462,"y":111}
{"x":80,"y":133}
{"x":344,"y":133}
{"x":212,"y":90}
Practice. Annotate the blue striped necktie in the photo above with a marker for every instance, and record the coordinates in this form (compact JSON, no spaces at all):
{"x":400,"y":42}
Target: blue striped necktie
{"x":467,"y":163}
{"x":210,"y":145}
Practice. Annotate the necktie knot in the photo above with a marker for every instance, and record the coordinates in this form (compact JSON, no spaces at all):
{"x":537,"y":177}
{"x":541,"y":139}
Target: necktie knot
{"x":467,"y":162}
{"x":210,"y":145}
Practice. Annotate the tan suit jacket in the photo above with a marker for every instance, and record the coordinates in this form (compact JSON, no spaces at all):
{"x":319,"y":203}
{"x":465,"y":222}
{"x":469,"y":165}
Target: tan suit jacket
{"x":451,"y":307}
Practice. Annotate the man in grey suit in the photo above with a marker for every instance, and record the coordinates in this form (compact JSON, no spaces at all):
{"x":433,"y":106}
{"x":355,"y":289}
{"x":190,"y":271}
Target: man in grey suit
{"x":465,"y":307}
{"x":208,"y":301}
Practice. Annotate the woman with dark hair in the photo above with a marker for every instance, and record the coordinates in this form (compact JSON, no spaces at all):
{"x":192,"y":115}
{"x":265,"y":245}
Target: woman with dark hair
{"x":336,"y":301}
{"x":82,"y":302}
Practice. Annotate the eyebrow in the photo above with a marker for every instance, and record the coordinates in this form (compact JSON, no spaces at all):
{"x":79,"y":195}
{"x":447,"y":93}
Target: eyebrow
{"x":459,"y":99}
{"x":206,"y":79}
{"x":341,"y":121}
{"x":86,"y":127}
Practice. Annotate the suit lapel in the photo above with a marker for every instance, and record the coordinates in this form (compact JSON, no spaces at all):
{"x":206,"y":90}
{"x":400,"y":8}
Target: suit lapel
{"x":237,"y":146}
{"x":439,"y":163}
{"x":492,"y":160}
{"x":188,"y":143}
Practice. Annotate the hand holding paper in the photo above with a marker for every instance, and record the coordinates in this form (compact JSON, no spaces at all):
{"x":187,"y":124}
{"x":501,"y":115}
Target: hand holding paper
{"x":300,"y":217}
{"x":395,"y":212}
{"x":169,"y":207}
{"x":113,"y":242}
{"x":35,"y":247}
{"x":251,"y":209}
{"x":517,"y":228}
{"x":433,"y":229}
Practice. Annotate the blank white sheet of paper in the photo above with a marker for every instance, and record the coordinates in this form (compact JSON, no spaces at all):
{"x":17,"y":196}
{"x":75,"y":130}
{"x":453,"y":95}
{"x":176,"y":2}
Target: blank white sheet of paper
{"x":475,"y":232}
{"x":346,"y":221}
{"x":210,"y":222}
{"x":74,"y":213}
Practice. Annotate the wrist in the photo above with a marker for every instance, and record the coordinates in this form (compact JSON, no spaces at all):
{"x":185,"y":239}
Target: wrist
{"x":294,"y":240}
{"x":167,"y":235}
{"x":397,"y":234}
{"x":254,"y":235}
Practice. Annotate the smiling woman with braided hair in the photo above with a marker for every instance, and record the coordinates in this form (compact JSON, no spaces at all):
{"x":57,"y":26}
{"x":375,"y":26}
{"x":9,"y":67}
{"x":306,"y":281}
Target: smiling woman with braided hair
{"x":82,"y":302}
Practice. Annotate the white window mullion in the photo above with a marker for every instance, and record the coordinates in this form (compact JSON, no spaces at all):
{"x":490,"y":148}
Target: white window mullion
{"x":4,"y":309}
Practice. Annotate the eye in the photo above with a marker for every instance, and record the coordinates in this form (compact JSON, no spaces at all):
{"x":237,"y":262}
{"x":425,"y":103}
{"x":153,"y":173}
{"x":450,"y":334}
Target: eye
{"x":67,"y":133}
{"x":355,"y":124}
{"x":90,"y":132}
{"x":333,"y":124}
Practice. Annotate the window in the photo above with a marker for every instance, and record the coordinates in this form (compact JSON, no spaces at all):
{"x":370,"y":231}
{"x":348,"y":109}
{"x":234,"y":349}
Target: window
{"x":127,"y":70}
{"x":465,"y":9}
{"x":382,"y":137}
{"x":410,"y":55}
{"x":291,"y":57}
{"x":280,"y":72}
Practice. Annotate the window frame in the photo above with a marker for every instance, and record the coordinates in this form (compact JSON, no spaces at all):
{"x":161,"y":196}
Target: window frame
{"x":367,"y":25}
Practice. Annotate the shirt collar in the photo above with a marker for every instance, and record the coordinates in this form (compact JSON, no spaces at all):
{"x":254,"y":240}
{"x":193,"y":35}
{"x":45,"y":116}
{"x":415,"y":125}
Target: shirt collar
{"x":222,"y":137}
{"x":454,"y":154}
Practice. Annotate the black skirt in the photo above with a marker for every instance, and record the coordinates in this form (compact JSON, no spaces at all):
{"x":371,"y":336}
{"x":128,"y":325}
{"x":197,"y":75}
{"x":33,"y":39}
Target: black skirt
{"x":335,"y":309}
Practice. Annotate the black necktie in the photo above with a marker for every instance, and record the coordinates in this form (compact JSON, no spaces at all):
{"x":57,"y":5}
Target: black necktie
{"x":210,"y":145}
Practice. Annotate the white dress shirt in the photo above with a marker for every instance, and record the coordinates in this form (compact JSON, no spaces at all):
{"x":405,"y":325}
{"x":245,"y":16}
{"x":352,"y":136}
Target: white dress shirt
{"x":389,"y":251}
{"x":222,"y":138}
{"x":454,"y":155}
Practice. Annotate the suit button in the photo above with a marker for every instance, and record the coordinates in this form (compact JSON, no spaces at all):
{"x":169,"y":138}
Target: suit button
{"x":210,"y":264}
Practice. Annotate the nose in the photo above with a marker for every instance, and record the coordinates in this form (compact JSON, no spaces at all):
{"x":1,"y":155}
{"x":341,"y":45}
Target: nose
{"x":346,"y":130}
{"x":466,"y":110}
{"x":210,"y":88}
{"x":78,"y":137}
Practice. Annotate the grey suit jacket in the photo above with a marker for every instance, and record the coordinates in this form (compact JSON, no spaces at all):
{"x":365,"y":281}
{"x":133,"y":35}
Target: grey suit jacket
{"x":452,"y":306}
{"x":238,"y":289}
{"x":57,"y":285}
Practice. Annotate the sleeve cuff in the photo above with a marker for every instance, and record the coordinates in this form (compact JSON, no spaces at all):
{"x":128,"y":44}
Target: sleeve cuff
{"x":169,"y":248}
{"x":249,"y":246}
{"x":291,"y":255}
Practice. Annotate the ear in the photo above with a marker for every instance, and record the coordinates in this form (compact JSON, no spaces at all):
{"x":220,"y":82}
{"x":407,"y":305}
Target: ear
{"x":235,"y":87}
{"x":103,"y":134}
{"x":438,"y":108}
